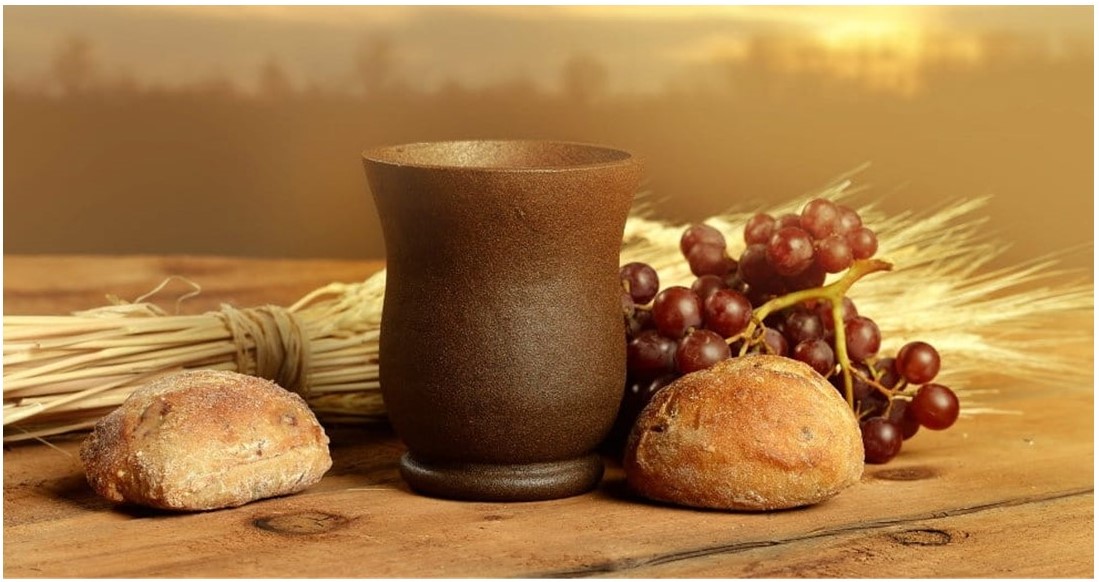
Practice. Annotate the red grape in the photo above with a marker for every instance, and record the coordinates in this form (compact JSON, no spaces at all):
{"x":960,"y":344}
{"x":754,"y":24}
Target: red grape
{"x":640,"y":280}
{"x":650,"y":355}
{"x":700,"y":233}
{"x":788,"y":219}
{"x":758,"y":229}
{"x":918,"y":362}
{"x":834,"y":254}
{"x":774,"y":343}
{"x":818,"y":217}
{"x":818,"y":354}
{"x":708,"y":259}
{"x":641,"y":320}
{"x":863,"y":338}
{"x":902,"y":417}
{"x":639,"y":393}
{"x":699,"y":350}
{"x":847,"y":220}
{"x":863,"y":241}
{"x":881,"y":440}
{"x":887,"y":371}
{"x":790,"y":251}
{"x":812,"y":276}
{"x":675,"y":310}
{"x":705,"y":286}
{"x":727,"y":312}
{"x":935,"y":406}
{"x":755,"y":269}
{"x":802,"y":326}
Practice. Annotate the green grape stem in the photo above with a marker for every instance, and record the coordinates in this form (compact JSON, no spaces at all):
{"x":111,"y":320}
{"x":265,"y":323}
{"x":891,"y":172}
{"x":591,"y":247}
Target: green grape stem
{"x":833,"y":293}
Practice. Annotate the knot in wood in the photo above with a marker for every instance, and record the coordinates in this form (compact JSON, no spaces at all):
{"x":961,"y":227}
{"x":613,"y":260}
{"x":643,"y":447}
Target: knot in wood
{"x":303,"y":523}
{"x":905,"y":474}
{"x":922,"y":537}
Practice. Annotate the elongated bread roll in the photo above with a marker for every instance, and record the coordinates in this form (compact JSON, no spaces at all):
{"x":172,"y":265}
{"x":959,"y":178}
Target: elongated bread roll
{"x":206,"y":439}
{"x":751,"y":433}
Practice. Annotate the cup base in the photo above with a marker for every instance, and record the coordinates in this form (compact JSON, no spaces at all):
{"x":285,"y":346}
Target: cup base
{"x":525,"y":482}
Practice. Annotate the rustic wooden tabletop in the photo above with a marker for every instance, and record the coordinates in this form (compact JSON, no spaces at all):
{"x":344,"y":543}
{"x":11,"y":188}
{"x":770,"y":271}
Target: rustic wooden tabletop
{"x":998,"y":495}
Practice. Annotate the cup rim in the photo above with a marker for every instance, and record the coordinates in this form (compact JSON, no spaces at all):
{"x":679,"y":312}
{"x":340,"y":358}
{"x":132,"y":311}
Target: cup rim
{"x":385,"y":155}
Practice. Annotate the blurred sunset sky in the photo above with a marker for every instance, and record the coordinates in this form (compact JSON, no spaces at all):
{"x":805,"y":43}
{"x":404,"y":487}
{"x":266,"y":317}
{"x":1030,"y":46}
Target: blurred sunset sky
{"x":645,"y":49}
{"x":236,"y":130}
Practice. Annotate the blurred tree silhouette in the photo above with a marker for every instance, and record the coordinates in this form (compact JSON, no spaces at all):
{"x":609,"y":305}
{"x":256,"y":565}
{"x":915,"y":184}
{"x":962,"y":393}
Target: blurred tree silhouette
{"x":217,"y":85}
{"x":74,"y":67}
{"x":375,"y":65}
{"x":273,"y":81}
{"x":584,"y":79}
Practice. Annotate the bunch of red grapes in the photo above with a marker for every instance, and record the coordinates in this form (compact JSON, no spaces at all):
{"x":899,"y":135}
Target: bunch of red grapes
{"x":678,"y":330}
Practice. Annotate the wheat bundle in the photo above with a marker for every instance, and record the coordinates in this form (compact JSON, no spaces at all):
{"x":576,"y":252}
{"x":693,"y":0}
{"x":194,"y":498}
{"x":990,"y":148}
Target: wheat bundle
{"x":62,"y":373}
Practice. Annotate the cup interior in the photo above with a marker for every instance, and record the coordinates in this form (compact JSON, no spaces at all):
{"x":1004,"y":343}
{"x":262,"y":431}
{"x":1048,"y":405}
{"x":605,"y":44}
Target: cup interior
{"x":498,"y":155}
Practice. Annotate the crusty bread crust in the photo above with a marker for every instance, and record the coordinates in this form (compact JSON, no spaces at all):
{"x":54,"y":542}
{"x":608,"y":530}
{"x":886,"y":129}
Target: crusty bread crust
{"x":758,"y":432}
{"x":206,"y":439}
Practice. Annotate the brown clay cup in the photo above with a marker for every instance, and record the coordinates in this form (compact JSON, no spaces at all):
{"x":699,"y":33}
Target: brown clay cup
{"x":502,"y":353}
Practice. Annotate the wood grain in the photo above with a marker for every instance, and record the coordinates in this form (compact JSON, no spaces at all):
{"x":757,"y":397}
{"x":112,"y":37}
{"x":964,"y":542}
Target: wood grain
{"x":1040,"y":533}
{"x":1006,"y":495}
{"x":60,"y":284}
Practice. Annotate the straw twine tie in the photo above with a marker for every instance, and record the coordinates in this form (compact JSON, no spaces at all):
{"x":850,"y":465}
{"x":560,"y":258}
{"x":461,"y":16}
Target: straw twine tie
{"x":270,"y":343}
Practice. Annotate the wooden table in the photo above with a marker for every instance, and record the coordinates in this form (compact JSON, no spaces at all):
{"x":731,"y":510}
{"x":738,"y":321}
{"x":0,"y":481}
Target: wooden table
{"x":996,"y":496}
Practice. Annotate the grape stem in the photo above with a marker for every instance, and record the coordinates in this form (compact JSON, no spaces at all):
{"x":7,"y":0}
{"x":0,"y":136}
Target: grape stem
{"x":833,"y":293}
{"x":874,"y":381}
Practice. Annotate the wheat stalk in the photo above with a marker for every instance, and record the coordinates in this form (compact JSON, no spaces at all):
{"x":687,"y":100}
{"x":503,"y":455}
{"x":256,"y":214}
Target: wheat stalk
{"x":62,"y":373}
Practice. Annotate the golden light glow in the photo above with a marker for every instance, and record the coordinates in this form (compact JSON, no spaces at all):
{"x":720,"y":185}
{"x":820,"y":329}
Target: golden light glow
{"x":714,"y":47}
{"x":858,"y":34}
{"x":883,"y":53}
{"x":344,"y":15}
{"x":879,"y":48}
{"x":883,"y":48}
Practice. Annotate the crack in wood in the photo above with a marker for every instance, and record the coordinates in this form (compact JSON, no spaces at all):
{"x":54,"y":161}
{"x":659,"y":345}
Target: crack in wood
{"x":621,"y":565}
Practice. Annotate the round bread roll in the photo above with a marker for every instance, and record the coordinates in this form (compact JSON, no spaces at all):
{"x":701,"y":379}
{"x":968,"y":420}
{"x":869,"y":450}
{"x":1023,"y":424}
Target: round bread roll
{"x":758,"y":432}
{"x":205,"y":439}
